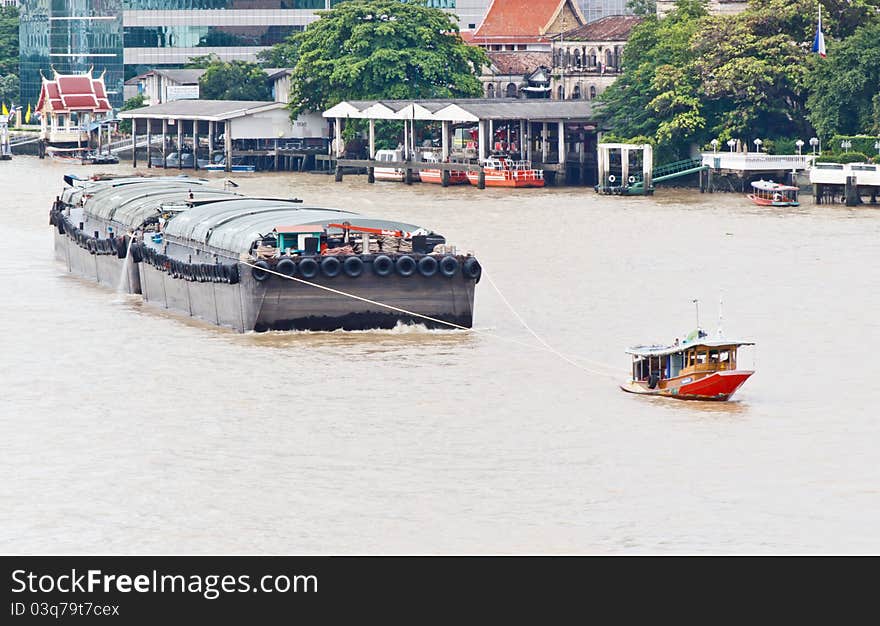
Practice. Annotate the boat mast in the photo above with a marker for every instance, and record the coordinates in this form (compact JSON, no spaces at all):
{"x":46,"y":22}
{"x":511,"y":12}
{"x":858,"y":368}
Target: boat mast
{"x":697,"y":303}
{"x":720,"y":315}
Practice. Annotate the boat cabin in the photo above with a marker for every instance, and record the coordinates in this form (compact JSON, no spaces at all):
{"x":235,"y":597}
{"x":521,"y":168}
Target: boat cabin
{"x":299,"y":239}
{"x":700,"y":356}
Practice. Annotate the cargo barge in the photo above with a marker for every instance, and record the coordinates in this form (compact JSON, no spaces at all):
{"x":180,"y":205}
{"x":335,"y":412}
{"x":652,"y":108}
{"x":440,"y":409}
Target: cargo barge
{"x":258,"y":264}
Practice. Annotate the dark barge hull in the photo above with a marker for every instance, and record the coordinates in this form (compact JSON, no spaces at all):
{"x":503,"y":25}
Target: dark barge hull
{"x":279,"y":303}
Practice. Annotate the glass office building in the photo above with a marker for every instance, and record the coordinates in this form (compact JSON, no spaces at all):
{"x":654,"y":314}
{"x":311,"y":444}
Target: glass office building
{"x":597,"y":9}
{"x":70,"y":36}
{"x":130,"y":37}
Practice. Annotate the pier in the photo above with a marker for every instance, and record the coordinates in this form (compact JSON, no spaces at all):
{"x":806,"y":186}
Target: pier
{"x":734,"y":171}
{"x":222,"y":132}
{"x":849,"y":182}
{"x":558,"y":137}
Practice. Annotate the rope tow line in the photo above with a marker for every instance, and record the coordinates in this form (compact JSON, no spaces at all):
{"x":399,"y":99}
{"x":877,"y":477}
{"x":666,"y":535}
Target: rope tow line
{"x":545,"y":348}
{"x":536,"y":336}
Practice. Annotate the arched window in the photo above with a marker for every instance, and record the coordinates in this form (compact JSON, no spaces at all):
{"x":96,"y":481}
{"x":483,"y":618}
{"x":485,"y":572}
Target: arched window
{"x":592,"y":57}
{"x":592,"y":92}
{"x":576,"y":93}
{"x":560,"y":93}
{"x":567,"y":58}
{"x":511,"y":90}
{"x":577,"y":57}
{"x":490,"y":90}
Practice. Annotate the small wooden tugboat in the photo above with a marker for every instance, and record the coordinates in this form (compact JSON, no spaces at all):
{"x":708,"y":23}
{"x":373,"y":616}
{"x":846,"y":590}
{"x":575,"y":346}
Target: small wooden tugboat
{"x":502,"y":172}
{"x":768,"y":193}
{"x":698,"y":368}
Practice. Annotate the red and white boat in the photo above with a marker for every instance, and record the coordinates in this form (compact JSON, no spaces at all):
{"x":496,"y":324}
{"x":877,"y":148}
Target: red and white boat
{"x":503,"y":172}
{"x":768,"y":193}
{"x":698,"y":368}
{"x":456,"y":177}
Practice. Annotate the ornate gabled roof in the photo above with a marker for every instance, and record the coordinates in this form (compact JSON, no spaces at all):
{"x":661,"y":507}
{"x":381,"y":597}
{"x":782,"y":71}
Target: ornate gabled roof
{"x":73,"y":92}
{"x":608,"y":28}
{"x":522,"y":21}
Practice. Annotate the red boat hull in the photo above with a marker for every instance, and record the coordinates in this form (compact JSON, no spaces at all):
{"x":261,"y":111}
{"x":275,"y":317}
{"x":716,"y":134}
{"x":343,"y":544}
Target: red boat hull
{"x":718,"y":386}
{"x":767,"y":202}
{"x":456,"y":177}
{"x":505,"y":179}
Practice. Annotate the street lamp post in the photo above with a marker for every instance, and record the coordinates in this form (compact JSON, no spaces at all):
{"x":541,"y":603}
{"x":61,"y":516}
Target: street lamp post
{"x":813,"y":143}
{"x":714,"y":143}
{"x":846,"y":144}
{"x":877,"y":146}
{"x":758,"y":143}
{"x":731,"y":143}
{"x":800,"y":144}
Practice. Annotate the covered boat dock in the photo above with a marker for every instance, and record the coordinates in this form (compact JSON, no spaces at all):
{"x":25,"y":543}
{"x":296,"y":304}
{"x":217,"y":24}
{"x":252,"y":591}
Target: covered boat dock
{"x":231,"y":128}
{"x":557,"y":136}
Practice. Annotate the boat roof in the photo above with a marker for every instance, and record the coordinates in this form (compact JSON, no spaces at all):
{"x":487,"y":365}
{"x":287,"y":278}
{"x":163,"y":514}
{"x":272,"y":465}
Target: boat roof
{"x":769,"y":185}
{"x":658,"y":350}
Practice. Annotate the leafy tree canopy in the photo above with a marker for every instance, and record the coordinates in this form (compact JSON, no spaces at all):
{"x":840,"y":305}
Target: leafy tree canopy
{"x":234,"y":80}
{"x":284,"y":54}
{"x":9,"y":40}
{"x":643,"y":8}
{"x":9,"y":88}
{"x":845,"y":96}
{"x":691,"y":77}
{"x":135,"y":102}
{"x":370,"y":49}
{"x":657,"y":94}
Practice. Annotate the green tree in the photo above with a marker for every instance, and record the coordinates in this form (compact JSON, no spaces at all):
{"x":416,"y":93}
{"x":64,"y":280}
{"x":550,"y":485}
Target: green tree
{"x":644,"y":8}
{"x":203,"y":62}
{"x":844,"y":98}
{"x":370,"y":49}
{"x":235,"y":80}
{"x":9,"y":41}
{"x":658,"y":93}
{"x":753,"y":67}
{"x":284,"y":54}
{"x":135,"y":102}
{"x":9,"y":88}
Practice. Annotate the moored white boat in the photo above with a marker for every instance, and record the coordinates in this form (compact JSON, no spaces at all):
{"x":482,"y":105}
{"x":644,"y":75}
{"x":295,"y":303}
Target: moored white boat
{"x":768,"y":193}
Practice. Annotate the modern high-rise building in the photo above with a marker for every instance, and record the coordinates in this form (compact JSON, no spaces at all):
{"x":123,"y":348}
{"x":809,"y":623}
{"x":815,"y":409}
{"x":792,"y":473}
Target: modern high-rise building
{"x":71,"y":37}
{"x":597,"y":9}
{"x":124,"y":38}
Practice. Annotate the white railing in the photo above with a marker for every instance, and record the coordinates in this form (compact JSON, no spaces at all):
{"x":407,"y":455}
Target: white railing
{"x":757,"y":162}
{"x":836,"y":173}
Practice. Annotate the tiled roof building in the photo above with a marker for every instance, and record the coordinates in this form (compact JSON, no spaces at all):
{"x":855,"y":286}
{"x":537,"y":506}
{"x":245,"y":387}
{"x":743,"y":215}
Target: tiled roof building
{"x":525,"y":24}
{"x":68,"y":104}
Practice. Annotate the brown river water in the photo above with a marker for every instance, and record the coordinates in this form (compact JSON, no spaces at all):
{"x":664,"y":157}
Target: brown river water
{"x":126,"y":429}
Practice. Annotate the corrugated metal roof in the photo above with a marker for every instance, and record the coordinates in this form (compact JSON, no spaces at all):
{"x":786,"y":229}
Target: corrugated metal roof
{"x":608,"y":28}
{"x":183,"y":77}
{"x":210,"y":110}
{"x":220,"y":219}
{"x":666,"y":350}
{"x":482,"y":108}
